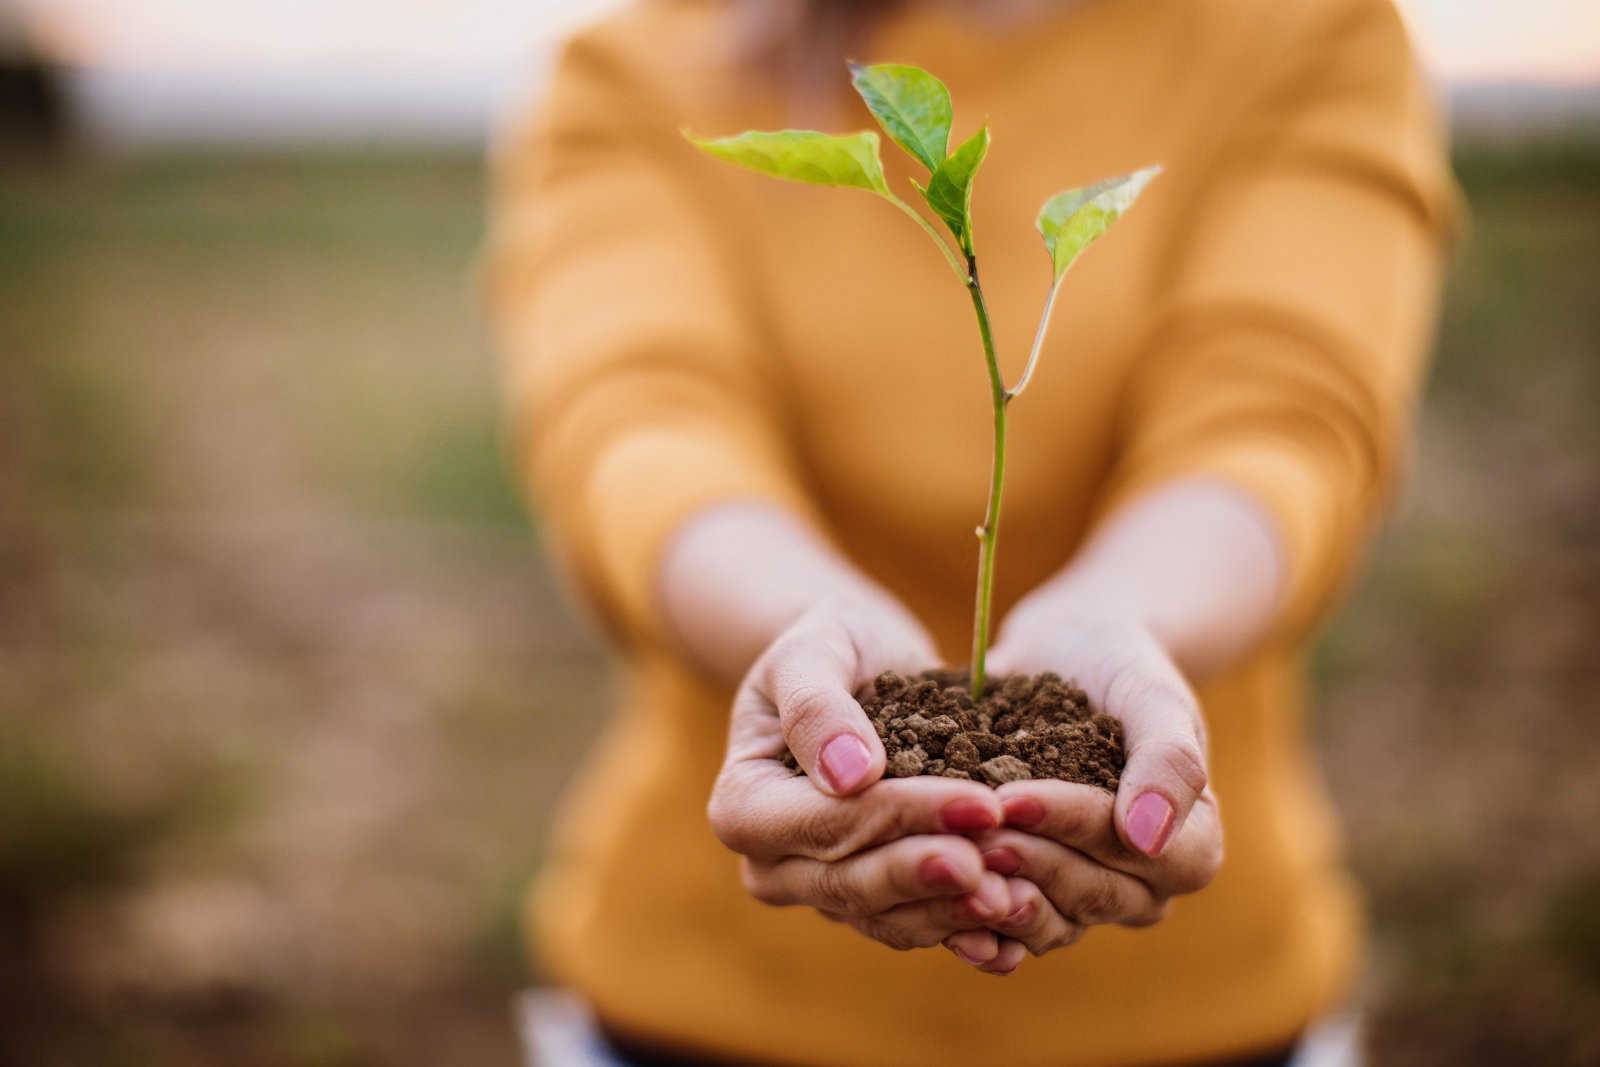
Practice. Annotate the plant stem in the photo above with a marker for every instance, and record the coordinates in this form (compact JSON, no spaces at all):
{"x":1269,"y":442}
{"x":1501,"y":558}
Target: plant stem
{"x":1038,"y":342}
{"x":988,"y":533}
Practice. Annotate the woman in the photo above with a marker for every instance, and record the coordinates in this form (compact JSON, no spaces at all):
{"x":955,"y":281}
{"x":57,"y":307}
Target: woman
{"x":756,"y":418}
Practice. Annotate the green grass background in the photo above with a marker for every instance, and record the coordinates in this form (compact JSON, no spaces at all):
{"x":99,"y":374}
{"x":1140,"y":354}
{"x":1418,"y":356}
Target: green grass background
{"x":286,"y":693}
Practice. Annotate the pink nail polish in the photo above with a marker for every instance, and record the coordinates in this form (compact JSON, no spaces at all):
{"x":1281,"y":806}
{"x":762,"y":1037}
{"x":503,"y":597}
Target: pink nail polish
{"x":936,"y":873}
{"x":1002,"y":861}
{"x":845,"y":760}
{"x":966,"y":815}
{"x":1149,"y":820}
{"x":1024,"y":813}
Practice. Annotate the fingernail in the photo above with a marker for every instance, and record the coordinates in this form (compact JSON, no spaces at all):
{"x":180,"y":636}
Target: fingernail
{"x":845,"y":760}
{"x":965,"y":814}
{"x":1149,"y":819}
{"x":975,"y":909}
{"x":974,"y":960}
{"x":936,"y":873}
{"x":1019,"y":915}
{"x":1002,"y":861}
{"x":991,"y":899}
{"x":1024,"y":812}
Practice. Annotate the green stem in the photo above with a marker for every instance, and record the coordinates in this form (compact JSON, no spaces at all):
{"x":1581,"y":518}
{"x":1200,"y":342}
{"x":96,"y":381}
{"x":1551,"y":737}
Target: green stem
{"x":989,"y":532}
{"x":1038,"y":342}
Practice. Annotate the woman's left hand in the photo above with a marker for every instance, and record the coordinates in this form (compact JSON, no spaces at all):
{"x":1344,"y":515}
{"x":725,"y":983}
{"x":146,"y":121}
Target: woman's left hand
{"x":1074,"y":855}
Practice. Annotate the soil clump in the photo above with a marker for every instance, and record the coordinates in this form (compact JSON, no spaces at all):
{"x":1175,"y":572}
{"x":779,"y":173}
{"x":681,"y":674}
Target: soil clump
{"x":1024,"y":726}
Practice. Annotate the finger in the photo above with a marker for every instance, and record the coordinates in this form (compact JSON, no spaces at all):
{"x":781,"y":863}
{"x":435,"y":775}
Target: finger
{"x":1008,"y":655}
{"x":812,"y":673}
{"x":1069,"y":813}
{"x":988,"y":903}
{"x":975,"y":947}
{"x":931,"y":922}
{"x":760,"y":810}
{"x":810,"y":676}
{"x":872,"y":881}
{"x":1035,"y":921}
{"x":1008,"y":958}
{"x":1084,"y":891}
{"x":1162,"y":734}
{"x":1081,"y":818}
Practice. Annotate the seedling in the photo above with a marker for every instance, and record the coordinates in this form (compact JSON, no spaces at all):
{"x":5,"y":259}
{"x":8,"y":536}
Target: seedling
{"x":914,"y":109}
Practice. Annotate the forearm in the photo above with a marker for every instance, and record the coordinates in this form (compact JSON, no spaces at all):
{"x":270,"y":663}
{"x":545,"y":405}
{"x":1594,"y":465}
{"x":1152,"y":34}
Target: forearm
{"x":1198,"y":562}
{"x":736,"y":575}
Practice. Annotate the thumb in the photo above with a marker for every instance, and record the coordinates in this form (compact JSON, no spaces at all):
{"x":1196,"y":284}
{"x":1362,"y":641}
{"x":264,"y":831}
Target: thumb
{"x":1006,"y":656}
{"x":810,"y":682}
{"x":1163,"y":736}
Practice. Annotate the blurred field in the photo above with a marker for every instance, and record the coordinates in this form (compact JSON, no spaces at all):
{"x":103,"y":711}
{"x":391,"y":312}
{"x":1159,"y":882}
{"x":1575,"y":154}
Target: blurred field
{"x":286,"y":694}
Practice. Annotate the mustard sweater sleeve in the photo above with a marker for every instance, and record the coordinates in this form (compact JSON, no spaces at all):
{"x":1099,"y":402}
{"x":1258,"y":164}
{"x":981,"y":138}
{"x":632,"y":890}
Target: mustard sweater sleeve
{"x":631,"y":364}
{"x":1289,"y":354}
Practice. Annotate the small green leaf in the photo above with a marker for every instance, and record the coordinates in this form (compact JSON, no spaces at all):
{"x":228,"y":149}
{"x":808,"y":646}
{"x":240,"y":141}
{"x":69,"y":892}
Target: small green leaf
{"x":1070,"y":221}
{"x":848,"y":159}
{"x":949,"y":190}
{"x":910,"y":104}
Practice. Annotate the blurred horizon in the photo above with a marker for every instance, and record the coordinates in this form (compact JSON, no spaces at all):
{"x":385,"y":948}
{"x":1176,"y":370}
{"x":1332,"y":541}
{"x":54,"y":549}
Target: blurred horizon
{"x":181,"y":71}
{"x":287,"y":691}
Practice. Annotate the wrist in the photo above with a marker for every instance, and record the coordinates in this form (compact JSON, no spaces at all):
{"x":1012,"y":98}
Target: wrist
{"x":1082,"y":594}
{"x":1195,"y":564}
{"x":739,"y":574}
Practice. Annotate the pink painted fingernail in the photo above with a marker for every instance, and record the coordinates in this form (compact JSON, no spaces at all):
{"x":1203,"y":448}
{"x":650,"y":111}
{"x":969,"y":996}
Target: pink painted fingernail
{"x":845,"y":760}
{"x":1149,"y":819}
{"x":1024,"y":812}
{"x":936,"y":873}
{"x":965,"y":815}
{"x":1002,"y":861}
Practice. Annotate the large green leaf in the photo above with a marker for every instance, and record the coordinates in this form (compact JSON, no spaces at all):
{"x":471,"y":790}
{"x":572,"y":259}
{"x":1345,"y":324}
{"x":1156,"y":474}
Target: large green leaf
{"x":949,"y":190}
{"x":848,"y":159}
{"x":1071,"y":220}
{"x":910,"y":104}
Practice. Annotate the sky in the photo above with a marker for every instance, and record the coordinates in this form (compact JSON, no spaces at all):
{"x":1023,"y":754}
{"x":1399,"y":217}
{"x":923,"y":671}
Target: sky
{"x":1508,"y":40}
{"x":435,"y":65}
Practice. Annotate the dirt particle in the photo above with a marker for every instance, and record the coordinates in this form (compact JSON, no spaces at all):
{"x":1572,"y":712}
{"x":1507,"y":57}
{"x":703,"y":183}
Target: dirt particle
{"x":1003,"y":769}
{"x":905,"y":763}
{"x":961,"y":753}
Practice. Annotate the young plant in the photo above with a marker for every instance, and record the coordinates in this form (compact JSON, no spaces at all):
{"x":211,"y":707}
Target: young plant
{"x":914,"y":109}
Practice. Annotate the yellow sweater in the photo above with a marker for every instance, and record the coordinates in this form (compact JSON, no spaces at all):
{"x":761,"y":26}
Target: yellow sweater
{"x":678,"y":332}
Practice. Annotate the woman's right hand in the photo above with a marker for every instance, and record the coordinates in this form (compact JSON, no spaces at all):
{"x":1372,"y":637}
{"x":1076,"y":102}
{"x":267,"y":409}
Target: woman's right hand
{"x":891,"y":860}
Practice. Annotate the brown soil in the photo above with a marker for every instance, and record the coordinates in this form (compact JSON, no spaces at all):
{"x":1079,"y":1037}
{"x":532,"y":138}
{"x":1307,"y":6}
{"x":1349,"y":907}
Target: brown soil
{"x":1023,"y":727}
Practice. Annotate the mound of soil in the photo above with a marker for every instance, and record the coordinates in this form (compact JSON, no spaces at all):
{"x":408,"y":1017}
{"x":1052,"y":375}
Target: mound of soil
{"x":1025,"y":726}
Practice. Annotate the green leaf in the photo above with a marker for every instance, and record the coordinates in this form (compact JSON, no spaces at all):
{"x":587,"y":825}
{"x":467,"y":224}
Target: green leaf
{"x":949,"y":190}
{"x":849,"y":160}
{"x":1070,"y":221}
{"x":910,"y":104}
